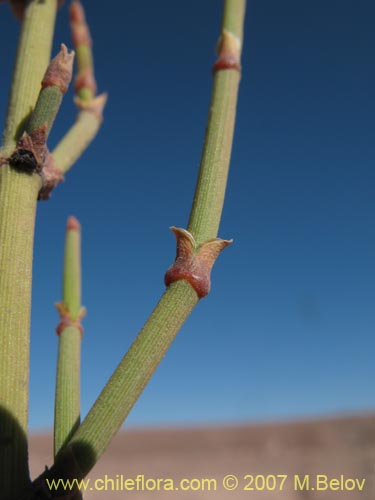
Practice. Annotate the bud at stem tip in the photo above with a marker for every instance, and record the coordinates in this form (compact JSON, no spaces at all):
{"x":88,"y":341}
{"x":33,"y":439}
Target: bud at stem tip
{"x":73,"y":224}
{"x":59,"y":71}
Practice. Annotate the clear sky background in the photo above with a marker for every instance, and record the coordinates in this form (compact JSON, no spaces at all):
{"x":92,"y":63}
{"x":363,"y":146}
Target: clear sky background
{"x":288,"y":328}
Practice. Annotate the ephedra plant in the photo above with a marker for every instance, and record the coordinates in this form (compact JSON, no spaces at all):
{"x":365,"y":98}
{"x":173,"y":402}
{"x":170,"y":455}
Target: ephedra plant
{"x":29,"y":172}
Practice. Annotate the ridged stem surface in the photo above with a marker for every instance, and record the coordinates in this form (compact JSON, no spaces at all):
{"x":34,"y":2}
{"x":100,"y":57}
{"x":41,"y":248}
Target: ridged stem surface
{"x":33,"y":56}
{"x":67,"y":399}
{"x":131,"y":376}
{"x":67,"y":402}
{"x":151,"y":344}
{"x":18,"y":197}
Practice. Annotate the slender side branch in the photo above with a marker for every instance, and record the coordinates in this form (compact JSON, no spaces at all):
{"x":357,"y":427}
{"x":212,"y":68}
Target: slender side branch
{"x":33,"y":55}
{"x":136,"y":368}
{"x":18,"y":195}
{"x":90,"y":106}
{"x":67,"y":399}
{"x":31,"y":154}
{"x":55,"y":84}
{"x":131,"y":376}
{"x":78,"y":138}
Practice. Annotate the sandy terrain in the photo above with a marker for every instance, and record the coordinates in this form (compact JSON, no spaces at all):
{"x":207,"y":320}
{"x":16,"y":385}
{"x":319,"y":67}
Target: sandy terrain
{"x":342,"y":448}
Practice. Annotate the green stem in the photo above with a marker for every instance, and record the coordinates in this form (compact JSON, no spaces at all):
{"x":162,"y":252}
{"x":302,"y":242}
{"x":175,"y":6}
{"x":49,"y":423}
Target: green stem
{"x":85,"y":85}
{"x":72,"y":269}
{"x":18,"y":195}
{"x":67,"y":399}
{"x":212,"y":180}
{"x":90,"y":106}
{"x":210,"y":190}
{"x":136,"y":368}
{"x":132,"y":375}
{"x":33,"y":55}
{"x":54,"y":85}
{"x":77,"y":139}
{"x":46,"y":109}
{"x":233,"y":16}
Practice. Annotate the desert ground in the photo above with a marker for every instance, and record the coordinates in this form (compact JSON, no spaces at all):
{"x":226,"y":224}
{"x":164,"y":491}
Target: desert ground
{"x":336,"y":454}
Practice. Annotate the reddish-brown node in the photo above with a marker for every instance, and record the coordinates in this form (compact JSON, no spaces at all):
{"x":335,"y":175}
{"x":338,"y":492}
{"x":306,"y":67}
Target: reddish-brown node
{"x":200,"y":283}
{"x":34,"y":143}
{"x":226,"y":61}
{"x":66,"y":321}
{"x":32,"y":155}
{"x":59,"y":71}
{"x":85,"y":80}
{"x":51,"y":176}
{"x":193,"y":262}
{"x":229,"y":49}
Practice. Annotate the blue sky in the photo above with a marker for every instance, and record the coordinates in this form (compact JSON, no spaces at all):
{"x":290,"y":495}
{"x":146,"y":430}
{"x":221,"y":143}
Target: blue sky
{"x":288,"y":328}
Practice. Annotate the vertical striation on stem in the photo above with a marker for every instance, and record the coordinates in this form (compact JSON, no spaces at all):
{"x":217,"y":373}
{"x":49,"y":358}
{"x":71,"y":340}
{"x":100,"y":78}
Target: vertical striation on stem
{"x":67,"y":399}
{"x":18,"y":196}
{"x":136,"y":368}
{"x":33,"y":55}
{"x":212,"y":179}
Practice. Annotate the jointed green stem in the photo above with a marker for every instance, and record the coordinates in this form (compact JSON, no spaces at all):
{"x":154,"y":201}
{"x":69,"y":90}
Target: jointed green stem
{"x":54,"y":85}
{"x":33,"y":56}
{"x":18,"y":195}
{"x":90,"y":106}
{"x":67,"y":399}
{"x":136,"y":368}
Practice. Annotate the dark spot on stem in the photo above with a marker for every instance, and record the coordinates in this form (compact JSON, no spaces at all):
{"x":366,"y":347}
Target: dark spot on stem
{"x":24,"y":161}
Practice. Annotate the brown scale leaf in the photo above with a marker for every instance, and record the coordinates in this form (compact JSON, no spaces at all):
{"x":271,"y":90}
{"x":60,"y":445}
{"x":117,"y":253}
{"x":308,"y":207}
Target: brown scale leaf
{"x":229,"y":52}
{"x":194,"y":262}
{"x":60,"y":70}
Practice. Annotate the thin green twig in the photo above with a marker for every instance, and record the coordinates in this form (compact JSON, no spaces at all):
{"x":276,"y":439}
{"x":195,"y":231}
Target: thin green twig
{"x":67,"y":399}
{"x":33,"y":56}
{"x":90,"y":105}
{"x":136,"y":368}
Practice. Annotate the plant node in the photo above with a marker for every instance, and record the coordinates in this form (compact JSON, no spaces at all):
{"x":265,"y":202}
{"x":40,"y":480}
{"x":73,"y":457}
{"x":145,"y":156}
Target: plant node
{"x":94,"y":105}
{"x":229,"y":52}
{"x":194,"y":262}
{"x":59,"y":71}
{"x":32,"y":156}
{"x":31,"y":151}
{"x":66,"y":319}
